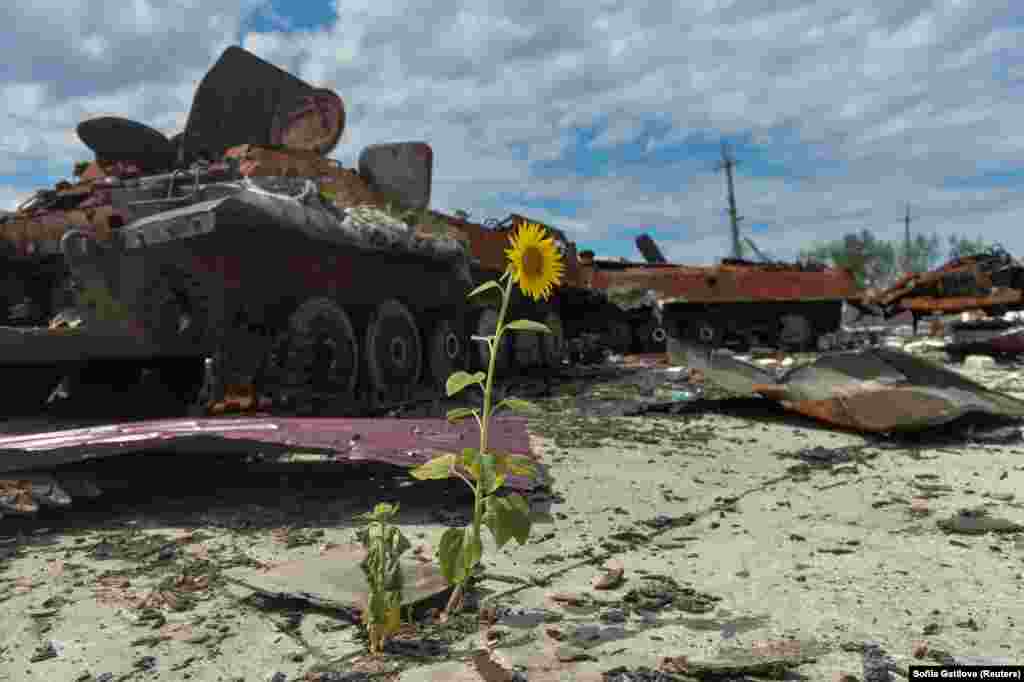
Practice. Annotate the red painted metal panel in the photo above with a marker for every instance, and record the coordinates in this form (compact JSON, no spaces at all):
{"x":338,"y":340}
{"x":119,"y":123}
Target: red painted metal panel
{"x":400,"y":442}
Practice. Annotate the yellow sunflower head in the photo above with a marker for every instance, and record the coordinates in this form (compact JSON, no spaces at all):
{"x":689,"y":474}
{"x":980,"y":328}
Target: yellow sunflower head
{"x":534,"y":261}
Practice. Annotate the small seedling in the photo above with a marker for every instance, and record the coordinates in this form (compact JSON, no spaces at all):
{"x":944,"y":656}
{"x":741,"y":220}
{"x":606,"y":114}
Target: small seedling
{"x":384,"y":545}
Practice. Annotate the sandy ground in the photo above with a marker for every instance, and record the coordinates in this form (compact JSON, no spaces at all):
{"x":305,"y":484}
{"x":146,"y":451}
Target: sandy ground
{"x":743,"y":532}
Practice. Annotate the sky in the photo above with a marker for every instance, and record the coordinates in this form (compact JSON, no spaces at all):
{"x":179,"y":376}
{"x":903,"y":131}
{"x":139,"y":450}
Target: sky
{"x":604,"y":118}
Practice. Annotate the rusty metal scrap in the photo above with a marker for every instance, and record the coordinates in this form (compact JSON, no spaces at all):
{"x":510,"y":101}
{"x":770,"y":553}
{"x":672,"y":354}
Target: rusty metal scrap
{"x":399,"y":442}
{"x":989,"y":281}
{"x":874,"y":390}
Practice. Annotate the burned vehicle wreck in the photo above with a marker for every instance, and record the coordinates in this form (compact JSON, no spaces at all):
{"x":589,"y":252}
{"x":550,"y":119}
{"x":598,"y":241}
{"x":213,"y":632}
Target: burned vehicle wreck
{"x":992,"y":282}
{"x":230,"y":262}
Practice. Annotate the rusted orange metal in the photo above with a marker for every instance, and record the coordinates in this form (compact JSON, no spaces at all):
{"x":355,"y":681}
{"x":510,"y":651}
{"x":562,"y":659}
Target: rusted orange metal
{"x":488,"y":244}
{"x":988,"y":282}
{"x":726,"y":283}
{"x":875,"y":390}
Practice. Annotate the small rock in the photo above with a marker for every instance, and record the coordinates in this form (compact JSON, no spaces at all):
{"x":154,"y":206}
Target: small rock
{"x":567,"y":654}
{"x":614,"y":616}
{"x":919,"y":505}
{"x":979,"y":363}
{"x":610,"y":579}
{"x":878,"y":666}
{"x":919,"y":649}
{"x":568,"y":598}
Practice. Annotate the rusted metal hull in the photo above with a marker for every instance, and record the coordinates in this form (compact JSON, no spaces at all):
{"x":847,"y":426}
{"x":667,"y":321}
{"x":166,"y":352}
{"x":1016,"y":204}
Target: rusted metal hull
{"x":726,"y":283}
{"x":399,"y":442}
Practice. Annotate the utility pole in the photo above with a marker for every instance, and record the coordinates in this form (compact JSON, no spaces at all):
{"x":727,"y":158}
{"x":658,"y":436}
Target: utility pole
{"x":727,"y":164}
{"x":906,"y":240}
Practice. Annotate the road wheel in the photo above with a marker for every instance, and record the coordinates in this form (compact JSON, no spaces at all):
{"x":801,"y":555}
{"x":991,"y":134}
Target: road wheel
{"x":795,"y":332}
{"x":394,"y":353}
{"x":446,"y":350}
{"x":319,"y":356}
{"x":707,"y":332}
{"x":486,"y":323}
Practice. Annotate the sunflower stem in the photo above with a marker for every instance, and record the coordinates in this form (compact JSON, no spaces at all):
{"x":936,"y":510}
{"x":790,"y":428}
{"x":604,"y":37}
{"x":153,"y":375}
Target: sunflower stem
{"x":494,"y":345}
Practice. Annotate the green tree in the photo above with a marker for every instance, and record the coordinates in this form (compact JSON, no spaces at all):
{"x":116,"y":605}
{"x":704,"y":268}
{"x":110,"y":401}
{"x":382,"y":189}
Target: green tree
{"x":872,"y":261}
{"x":960,"y":246}
{"x":923,"y":255}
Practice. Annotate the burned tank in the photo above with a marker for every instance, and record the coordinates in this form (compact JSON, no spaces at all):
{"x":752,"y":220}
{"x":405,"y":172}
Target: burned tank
{"x":992,"y":281}
{"x":234,"y":262}
{"x":737,"y":303}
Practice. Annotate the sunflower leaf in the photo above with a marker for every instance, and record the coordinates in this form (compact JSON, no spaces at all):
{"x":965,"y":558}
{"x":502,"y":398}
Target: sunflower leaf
{"x":458,"y":413}
{"x":436,"y":469}
{"x":518,"y":405}
{"x":508,"y":518}
{"x":460,"y":380}
{"x":459,"y":552}
{"x":470,"y":461}
{"x":527,"y":326}
{"x":491,"y":284}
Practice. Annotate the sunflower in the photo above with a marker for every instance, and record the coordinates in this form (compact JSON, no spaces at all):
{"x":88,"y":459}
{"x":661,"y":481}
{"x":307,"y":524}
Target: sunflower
{"x":534,"y":261}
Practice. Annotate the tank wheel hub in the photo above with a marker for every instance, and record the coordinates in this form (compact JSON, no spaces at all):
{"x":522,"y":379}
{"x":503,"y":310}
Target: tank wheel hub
{"x":320,"y":355}
{"x":658,"y":335}
{"x":452,"y":346}
{"x":486,"y":324}
{"x":553,"y":346}
{"x":399,"y":352}
{"x":394,"y":354}
{"x":446,"y":349}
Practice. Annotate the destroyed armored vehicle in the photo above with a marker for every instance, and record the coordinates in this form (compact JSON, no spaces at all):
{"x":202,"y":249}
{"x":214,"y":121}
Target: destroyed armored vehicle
{"x":992,"y":282}
{"x":738,"y":303}
{"x":236,"y":261}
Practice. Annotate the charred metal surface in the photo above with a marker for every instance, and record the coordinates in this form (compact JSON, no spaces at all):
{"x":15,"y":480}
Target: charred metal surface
{"x":400,"y":170}
{"x":237,"y":103}
{"x":314,"y":122}
{"x":399,"y":442}
{"x":120,"y":139}
{"x":651,"y":253}
{"x":875,"y":390}
{"x":990,"y":282}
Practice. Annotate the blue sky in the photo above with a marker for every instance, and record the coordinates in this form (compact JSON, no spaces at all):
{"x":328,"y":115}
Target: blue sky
{"x":600,"y":117}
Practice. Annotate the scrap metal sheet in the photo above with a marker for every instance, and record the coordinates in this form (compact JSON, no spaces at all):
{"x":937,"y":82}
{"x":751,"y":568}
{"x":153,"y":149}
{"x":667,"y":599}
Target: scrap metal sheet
{"x":400,"y":442}
{"x":875,"y":390}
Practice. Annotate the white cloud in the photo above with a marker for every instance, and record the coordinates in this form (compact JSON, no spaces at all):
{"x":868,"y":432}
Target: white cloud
{"x":867,"y":108}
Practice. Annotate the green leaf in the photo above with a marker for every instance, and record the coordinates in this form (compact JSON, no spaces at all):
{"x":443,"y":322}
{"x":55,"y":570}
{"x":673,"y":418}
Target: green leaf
{"x":518,"y":405}
{"x":460,"y":413}
{"x":527,"y":326}
{"x":508,"y":517}
{"x":459,"y":380}
{"x":521,"y":465}
{"x":436,"y":469}
{"x":482,"y":288}
{"x":459,"y":552}
{"x":470,"y":461}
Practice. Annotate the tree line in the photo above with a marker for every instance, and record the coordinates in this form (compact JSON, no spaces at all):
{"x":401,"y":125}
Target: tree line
{"x":877,"y":262}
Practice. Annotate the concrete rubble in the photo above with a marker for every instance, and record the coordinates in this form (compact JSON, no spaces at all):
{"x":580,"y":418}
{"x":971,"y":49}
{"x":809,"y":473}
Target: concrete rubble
{"x":685,"y":529}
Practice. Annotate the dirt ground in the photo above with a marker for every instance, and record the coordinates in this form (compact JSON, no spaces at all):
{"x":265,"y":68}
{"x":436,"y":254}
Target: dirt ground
{"x":751,"y":541}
